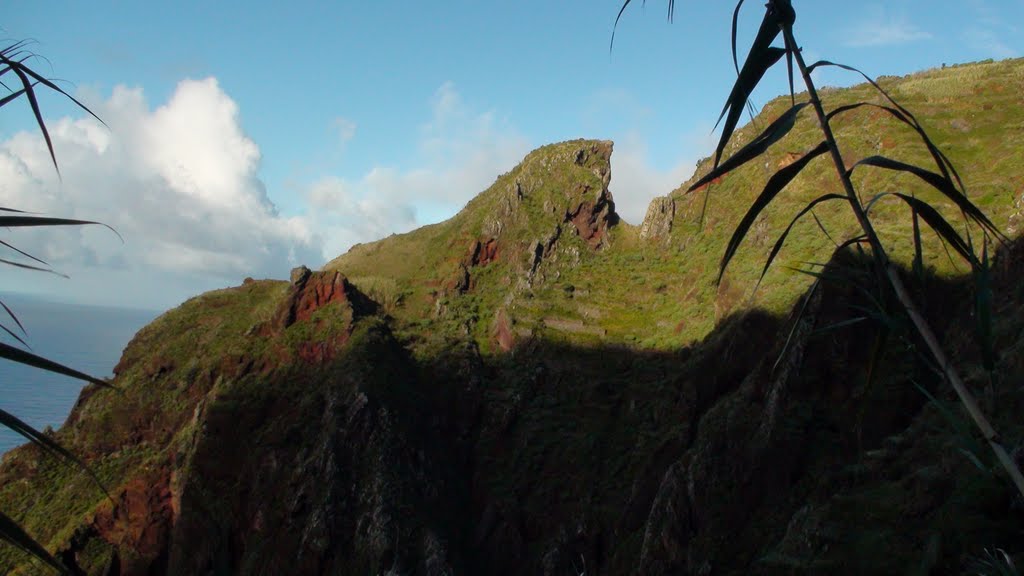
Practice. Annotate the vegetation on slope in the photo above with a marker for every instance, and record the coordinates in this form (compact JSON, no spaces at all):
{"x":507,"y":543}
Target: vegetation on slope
{"x":637,"y":423}
{"x":660,"y":292}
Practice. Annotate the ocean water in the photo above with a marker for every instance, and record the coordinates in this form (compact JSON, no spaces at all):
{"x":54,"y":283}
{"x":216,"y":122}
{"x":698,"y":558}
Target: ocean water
{"x":87,"y":338}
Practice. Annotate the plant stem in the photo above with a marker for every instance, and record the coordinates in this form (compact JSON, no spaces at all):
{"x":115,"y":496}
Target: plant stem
{"x":890,"y":271}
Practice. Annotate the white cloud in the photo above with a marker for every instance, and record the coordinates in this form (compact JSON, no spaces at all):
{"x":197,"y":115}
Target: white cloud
{"x":344,"y":128}
{"x":179,"y":183}
{"x":459,"y":153}
{"x":635,"y":182}
{"x":882,"y":29}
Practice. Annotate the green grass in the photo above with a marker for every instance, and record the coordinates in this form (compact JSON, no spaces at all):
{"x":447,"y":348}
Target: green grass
{"x":662,"y":294}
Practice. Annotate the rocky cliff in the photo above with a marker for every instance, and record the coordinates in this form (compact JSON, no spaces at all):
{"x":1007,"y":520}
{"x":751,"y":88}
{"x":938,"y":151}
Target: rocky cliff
{"x":534,"y":387}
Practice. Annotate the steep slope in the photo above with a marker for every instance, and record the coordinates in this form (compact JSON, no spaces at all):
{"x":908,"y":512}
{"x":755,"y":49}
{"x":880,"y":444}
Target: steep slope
{"x":479,"y":270}
{"x":655,"y":284}
{"x":533,"y":387}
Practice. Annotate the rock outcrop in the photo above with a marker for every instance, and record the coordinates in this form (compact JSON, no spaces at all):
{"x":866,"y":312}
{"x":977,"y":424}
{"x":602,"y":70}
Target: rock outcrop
{"x":545,"y":394}
{"x":657,"y":223}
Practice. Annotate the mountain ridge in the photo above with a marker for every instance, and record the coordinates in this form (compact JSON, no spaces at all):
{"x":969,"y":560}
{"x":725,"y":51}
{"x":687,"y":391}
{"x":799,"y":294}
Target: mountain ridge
{"x":547,"y":387}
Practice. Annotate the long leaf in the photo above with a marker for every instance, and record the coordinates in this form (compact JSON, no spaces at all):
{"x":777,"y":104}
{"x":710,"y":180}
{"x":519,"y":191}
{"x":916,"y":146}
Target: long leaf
{"x":29,"y":359}
{"x":782,"y":238}
{"x":30,"y":221}
{"x":796,"y":324}
{"x":772,"y":134}
{"x":983,"y":309}
{"x":31,"y":267}
{"x":970,"y":444}
{"x":735,"y":25}
{"x":611,"y":43}
{"x":46,"y":443}
{"x":15,"y":336}
{"x":775,"y":185}
{"x":12,"y":533}
{"x":23,"y":253}
{"x":753,"y":70}
{"x":839,"y":325}
{"x":942,"y":227}
{"x":919,"y":255}
{"x":34,"y":104}
{"x":45,"y":82}
{"x":937,"y":181}
{"x":10,"y":97}
{"x":13,"y":317}
{"x":942,"y":162}
{"x":761,"y":57}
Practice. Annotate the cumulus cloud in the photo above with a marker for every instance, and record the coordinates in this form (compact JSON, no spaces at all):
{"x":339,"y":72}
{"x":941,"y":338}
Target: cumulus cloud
{"x":459,"y":153}
{"x":883,"y":29}
{"x":178,"y":181}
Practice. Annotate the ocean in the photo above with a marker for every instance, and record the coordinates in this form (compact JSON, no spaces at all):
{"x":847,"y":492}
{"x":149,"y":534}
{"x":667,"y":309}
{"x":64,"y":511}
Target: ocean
{"x":87,"y":338}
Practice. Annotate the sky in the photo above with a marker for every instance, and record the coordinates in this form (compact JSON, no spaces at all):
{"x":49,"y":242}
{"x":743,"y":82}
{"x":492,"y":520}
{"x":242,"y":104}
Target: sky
{"x":246,"y":138}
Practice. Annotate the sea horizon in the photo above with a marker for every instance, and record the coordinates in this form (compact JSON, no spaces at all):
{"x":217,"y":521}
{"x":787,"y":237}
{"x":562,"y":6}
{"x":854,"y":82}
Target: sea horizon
{"x":89,"y":338}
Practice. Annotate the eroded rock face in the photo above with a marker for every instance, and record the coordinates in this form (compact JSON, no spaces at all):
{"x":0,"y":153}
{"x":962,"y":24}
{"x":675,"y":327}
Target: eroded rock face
{"x":594,"y":213}
{"x":657,"y":223}
{"x":340,"y":482}
{"x":311,"y":291}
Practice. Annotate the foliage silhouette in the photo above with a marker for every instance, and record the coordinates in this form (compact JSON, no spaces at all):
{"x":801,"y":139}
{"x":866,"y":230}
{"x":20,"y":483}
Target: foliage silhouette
{"x":13,"y":60}
{"x":778,"y":20}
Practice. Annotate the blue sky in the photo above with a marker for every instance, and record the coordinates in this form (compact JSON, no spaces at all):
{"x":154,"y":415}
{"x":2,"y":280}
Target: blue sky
{"x":246,"y":138}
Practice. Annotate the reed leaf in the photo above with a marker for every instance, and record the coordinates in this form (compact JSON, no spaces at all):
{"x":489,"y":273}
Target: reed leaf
{"x":782,"y":238}
{"x":941,"y":226}
{"x":750,"y":76}
{"x":23,"y":253}
{"x":48,"y":444}
{"x":775,"y":185}
{"x":937,"y":181}
{"x":942,"y":162}
{"x":12,"y":533}
{"x":983,"y":309}
{"x":772,"y":134}
{"x":22,"y":357}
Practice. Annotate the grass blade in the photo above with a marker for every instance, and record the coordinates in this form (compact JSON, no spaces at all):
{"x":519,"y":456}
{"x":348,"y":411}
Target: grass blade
{"x":983,"y":309}
{"x":775,"y":185}
{"x":611,"y":44}
{"x":22,"y":357}
{"x":13,"y":317}
{"x":796,"y":324}
{"x":34,"y":104}
{"x":918,"y":267}
{"x":28,"y":221}
{"x":10,"y":97}
{"x":940,"y":183}
{"x":839,"y":325}
{"x":735,"y":25}
{"x":753,"y":70}
{"x":772,"y":134}
{"x":45,"y":82}
{"x":942,"y":162}
{"x":12,"y":533}
{"x":31,"y":267}
{"x":47,"y":444}
{"x":941,"y":226}
{"x":23,"y":253}
{"x":782,"y":238}
{"x":969,"y":444}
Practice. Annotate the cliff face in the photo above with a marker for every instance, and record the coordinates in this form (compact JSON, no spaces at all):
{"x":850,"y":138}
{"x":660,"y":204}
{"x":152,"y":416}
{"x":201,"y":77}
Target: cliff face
{"x":533,"y":387}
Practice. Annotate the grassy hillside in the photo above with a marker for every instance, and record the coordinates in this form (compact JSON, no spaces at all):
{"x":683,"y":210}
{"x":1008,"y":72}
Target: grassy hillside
{"x":660,"y":292}
{"x":533,"y":386}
